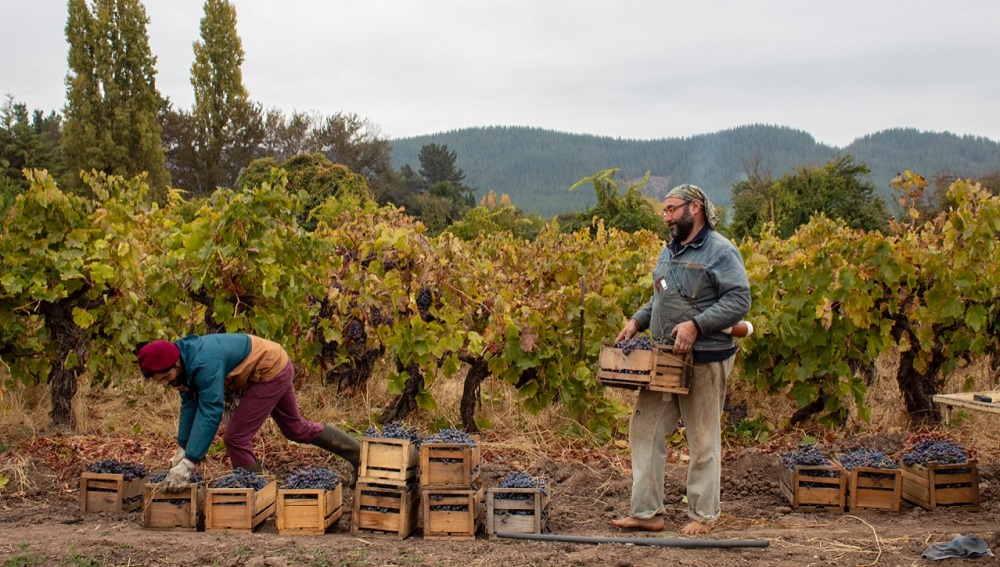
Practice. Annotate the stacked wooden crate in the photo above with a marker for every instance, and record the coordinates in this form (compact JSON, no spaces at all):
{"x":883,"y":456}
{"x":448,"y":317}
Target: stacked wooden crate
{"x":452,"y":501}
{"x":386,"y":498}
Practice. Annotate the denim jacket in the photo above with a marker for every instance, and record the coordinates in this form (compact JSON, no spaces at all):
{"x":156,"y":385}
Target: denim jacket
{"x":704,"y":281}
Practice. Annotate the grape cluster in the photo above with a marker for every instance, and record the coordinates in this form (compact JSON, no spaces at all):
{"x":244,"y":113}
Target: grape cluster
{"x":240,"y":478}
{"x":864,"y":457}
{"x":452,"y":436}
{"x":638,"y":342}
{"x":312,"y":477}
{"x":395,"y":430}
{"x":425,"y":297}
{"x":944,"y":451}
{"x":804,"y":455}
{"x":377,"y":319}
{"x":389,"y":264}
{"x":127,"y":469}
{"x":158,"y":477}
{"x":355,"y":332}
{"x":369,"y":258}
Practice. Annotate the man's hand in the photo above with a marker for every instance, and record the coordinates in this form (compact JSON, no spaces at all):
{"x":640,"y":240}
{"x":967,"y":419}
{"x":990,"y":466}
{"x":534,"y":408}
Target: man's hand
{"x":684,"y":335}
{"x":631,"y":328}
{"x":178,"y":455}
{"x":179,"y":476}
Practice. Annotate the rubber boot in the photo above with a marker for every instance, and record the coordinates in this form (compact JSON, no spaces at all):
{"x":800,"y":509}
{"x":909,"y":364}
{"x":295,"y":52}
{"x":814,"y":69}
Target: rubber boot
{"x":256,"y":467}
{"x":342,"y":445}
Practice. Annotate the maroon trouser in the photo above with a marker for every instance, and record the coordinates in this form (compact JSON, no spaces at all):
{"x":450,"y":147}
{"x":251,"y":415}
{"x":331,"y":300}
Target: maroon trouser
{"x":275,"y":397}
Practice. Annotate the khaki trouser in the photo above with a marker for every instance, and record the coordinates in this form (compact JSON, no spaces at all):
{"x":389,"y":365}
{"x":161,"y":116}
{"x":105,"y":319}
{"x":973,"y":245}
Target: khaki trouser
{"x":655,"y":417}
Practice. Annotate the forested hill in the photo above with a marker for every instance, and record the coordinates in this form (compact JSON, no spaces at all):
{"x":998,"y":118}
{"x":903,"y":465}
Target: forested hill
{"x":536,"y":167}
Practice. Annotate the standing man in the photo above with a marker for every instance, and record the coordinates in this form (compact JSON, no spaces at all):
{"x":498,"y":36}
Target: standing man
{"x":700,"y":287}
{"x":204,"y":369}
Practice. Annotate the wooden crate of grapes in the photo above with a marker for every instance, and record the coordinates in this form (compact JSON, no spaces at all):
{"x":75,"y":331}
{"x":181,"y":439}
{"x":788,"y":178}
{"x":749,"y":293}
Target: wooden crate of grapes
{"x":385,"y":510}
{"x":517,"y":510}
{"x":822,"y":487}
{"x":109,"y":492}
{"x":934,"y":485}
{"x":655,"y":367}
{"x":450,"y":465}
{"x":874,"y":489}
{"x":452,"y":514}
{"x":239,"y":509}
{"x":388,"y":461}
{"x":171,"y":511}
{"x":309,"y":511}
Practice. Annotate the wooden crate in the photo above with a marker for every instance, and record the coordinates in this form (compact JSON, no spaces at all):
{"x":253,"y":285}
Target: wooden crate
{"x":870,"y":488}
{"x":388,"y":461}
{"x":671,"y":372}
{"x":385,"y":509}
{"x":460,"y":523}
{"x":177,"y":511}
{"x":309,"y":511}
{"x":516,"y":510}
{"x":450,"y":465}
{"x":108,"y":492}
{"x":619,"y":370}
{"x":814,"y":487}
{"x":953,"y":486}
{"x":239,"y":509}
{"x":658,"y":369}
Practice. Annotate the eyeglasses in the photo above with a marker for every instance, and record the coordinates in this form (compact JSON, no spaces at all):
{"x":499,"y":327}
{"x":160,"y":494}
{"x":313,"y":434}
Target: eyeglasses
{"x":668,"y":210}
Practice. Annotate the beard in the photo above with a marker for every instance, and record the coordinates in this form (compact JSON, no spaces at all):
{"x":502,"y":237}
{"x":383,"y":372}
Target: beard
{"x":681,"y":230}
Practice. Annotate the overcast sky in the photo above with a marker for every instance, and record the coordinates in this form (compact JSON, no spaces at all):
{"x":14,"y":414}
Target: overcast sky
{"x":641,"y":69}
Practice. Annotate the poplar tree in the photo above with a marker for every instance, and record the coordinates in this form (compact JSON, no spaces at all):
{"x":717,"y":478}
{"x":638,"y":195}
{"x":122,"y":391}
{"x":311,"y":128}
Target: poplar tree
{"x":112,"y":102}
{"x":228,"y":126}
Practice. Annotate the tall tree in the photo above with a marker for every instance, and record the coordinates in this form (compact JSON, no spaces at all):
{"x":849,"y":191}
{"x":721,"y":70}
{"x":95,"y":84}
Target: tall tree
{"x":228,"y":125}
{"x":840,"y":190}
{"x":112,"y":103}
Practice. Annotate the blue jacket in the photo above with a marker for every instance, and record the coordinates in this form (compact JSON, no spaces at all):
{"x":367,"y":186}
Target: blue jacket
{"x":704,"y":281}
{"x":207,"y":361}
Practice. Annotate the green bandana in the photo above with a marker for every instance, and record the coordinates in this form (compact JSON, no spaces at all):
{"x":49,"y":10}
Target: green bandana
{"x":690,"y":192}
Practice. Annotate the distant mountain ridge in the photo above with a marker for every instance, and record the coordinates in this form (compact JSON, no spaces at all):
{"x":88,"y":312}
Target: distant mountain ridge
{"x":536,"y":167}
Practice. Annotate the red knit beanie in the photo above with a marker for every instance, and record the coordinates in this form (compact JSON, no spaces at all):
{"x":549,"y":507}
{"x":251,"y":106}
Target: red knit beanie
{"x":157,"y":356}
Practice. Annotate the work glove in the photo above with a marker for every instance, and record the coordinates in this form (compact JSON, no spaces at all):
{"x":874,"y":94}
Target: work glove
{"x":179,"y":476}
{"x":178,"y":455}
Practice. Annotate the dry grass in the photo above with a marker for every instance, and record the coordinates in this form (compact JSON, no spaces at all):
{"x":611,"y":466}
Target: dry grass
{"x":139,"y":407}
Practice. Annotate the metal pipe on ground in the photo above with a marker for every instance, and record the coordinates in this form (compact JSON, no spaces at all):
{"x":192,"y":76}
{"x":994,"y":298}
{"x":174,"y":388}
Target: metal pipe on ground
{"x":660,"y":542}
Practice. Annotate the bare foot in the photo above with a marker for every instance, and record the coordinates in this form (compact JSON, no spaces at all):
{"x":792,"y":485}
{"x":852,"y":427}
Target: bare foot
{"x":654,"y":524}
{"x":697,"y":528}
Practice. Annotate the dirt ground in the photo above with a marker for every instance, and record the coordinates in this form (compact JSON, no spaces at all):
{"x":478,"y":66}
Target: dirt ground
{"x":43,"y":524}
